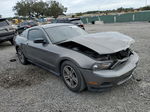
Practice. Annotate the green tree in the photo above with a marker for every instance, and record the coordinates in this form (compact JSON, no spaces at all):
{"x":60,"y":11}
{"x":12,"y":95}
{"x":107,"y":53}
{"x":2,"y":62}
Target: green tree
{"x":79,"y":14}
{"x":36,"y":8}
{"x":39,"y":8}
{"x":55,"y":9}
{"x":145,"y":8}
{"x":24,"y":8}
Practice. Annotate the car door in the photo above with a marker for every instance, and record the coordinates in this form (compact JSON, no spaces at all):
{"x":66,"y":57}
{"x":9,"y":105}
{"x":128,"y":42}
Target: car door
{"x":5,"y":29}
{"x":39,"y":52}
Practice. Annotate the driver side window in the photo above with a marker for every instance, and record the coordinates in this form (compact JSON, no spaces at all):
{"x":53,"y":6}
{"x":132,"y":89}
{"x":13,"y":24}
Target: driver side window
{"x":35,"y":34}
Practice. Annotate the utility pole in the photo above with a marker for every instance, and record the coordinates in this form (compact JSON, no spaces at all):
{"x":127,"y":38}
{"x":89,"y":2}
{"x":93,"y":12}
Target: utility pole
{"x":146,"y":3}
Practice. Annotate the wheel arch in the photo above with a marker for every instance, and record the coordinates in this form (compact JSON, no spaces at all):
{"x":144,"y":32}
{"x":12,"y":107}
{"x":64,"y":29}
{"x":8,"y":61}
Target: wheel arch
{"x":60,"y":62}
{"x":77,"y":64}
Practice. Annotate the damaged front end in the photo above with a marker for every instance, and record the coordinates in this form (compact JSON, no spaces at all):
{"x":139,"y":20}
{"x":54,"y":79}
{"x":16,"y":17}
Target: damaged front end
{"x":111,"y":61}
{"x":105,"y":61}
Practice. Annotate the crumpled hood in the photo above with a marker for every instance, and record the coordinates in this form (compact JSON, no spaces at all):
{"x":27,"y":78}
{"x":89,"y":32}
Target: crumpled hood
{"x":105,"y":42}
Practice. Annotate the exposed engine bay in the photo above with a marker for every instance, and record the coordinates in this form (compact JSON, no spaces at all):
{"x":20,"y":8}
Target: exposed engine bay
{"x":124,"y":54}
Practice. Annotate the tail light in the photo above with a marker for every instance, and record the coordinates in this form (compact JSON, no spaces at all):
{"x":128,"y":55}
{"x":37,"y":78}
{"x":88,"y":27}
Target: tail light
{"x":81,"y":25}
{"x":28,"y":26}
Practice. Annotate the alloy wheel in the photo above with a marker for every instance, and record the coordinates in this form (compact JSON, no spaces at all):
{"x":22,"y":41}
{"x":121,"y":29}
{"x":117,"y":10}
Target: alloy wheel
{"x":70,"y":76}
{"x":20,"y":56}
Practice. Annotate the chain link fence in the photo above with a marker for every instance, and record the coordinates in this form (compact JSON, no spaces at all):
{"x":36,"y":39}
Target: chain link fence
{"x":128,"y":17}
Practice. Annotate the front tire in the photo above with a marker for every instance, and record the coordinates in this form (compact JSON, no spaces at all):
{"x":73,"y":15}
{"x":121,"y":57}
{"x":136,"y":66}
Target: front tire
{"x":72,"y":77}
{"x":21,"y":57}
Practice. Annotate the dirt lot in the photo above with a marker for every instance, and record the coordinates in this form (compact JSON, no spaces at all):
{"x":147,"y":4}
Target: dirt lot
{"x":32,"y":89}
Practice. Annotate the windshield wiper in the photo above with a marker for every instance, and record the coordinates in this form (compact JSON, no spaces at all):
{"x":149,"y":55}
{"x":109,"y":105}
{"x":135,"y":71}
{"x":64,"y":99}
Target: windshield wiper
{"x":59,"y":42}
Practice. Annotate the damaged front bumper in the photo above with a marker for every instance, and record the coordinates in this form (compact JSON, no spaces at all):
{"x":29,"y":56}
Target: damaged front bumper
{"x":102,"y":79}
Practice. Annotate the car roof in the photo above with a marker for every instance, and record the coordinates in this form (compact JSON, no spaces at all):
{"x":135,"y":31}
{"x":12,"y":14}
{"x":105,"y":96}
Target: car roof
{"x":52,"y":25}
{"x":69,"y":19}
{"x":3,"y":19}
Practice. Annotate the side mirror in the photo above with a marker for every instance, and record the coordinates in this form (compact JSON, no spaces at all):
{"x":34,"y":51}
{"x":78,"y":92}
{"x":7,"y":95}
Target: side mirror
{"x":40,"y":40}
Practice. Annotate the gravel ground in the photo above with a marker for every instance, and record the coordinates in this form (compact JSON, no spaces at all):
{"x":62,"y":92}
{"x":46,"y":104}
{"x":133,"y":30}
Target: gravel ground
{"x":32,"y":89}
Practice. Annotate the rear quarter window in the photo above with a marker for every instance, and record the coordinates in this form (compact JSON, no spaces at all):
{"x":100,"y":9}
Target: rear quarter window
{"x":34,"y":34}
{"x":24,"y":34}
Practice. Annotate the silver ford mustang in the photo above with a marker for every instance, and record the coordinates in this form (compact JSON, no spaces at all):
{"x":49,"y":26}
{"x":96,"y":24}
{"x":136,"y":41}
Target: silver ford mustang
{"x":94,"y":61}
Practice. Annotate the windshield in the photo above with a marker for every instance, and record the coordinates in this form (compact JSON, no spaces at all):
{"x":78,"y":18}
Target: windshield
{"x":62,"y":33}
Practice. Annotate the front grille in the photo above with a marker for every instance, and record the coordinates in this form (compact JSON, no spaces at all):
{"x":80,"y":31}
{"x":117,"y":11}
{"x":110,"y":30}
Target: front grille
{"x":120,"y":57}
{"x":125,"y":77}
{"x":121,"y":54}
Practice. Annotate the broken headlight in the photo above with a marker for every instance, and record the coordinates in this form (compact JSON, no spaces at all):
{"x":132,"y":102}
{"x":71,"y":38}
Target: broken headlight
{"x":102,"y":65}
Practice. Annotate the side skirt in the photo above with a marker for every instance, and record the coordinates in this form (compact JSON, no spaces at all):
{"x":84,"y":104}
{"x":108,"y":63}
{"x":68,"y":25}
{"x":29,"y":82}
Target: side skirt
{"x":43,"y":67}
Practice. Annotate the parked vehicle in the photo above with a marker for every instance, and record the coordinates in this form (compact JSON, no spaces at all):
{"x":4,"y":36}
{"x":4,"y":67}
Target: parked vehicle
{"x":7,"y":32}
{"x":75,"y":21}
{"x":96,"y":61}
{"x":25,"y":25}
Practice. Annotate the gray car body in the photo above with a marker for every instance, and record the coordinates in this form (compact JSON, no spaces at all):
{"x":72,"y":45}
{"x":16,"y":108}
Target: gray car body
{"x":51,"y":56}
{"x":6,"y":32}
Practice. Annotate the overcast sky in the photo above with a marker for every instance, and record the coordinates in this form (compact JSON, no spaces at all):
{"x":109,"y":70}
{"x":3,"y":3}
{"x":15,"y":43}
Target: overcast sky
{"x":79,"y":5}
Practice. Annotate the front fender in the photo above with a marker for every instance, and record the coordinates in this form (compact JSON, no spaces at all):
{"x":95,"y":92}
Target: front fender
{"x":80,"y":60}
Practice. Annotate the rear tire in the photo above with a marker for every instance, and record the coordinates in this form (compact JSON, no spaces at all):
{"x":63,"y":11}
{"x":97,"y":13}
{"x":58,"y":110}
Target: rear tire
{"x":72,"y":77}
{"x":21,"y":57}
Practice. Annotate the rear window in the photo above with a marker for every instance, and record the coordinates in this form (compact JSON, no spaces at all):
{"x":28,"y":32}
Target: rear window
{"x":63,"y":21}
{"x":3,"y":23}
{"x":76,"y":21}
{"x":27,"y":23}
{"x":22,"y":24}
{"x":32,"y":23}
